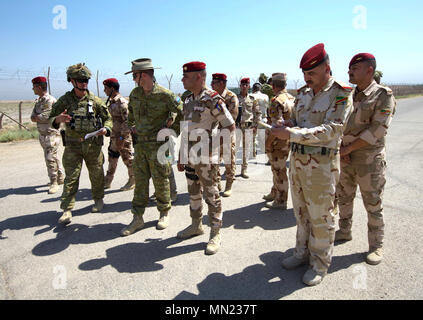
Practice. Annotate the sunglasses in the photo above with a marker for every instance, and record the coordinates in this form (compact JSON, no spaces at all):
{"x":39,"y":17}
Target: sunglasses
{"x":82,"y":80}
{"x":134,"y":75}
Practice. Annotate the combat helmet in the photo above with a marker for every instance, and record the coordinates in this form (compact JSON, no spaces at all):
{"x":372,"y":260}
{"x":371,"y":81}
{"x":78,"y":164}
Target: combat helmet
{"x":78,"y":71}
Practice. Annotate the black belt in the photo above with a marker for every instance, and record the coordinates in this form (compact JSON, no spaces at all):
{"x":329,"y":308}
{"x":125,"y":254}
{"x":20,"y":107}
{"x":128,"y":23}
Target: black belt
{"x":303,"y":149}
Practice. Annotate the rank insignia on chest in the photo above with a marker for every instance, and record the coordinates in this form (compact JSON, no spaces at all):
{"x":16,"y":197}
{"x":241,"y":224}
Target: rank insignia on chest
{"x":385,"y":112}
{"x":341,"y":100}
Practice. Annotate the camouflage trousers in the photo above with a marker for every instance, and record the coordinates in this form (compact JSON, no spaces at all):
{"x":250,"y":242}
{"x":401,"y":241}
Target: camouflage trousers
{"x":280,"y":186}
{"x":248,"y":140}
{"x":367,"y":170}
{"x":201,"y":178}
{"x":146,"y":166}
{"x":120,"y":147}
{"x":230,"y":168}
{"x":73,"y":156}
{"x":313,"y":180}
{"x":50,"y":144}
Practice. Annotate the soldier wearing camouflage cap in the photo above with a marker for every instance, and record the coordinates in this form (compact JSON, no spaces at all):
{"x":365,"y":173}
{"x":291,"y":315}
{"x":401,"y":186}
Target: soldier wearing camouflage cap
{"x":120,"y":138}
{"x":48,"y":136}
{"x":151,"y":109}
{"x":363,"y":155}
{"x":278,"y":150}
{"x":83,"y":113}
{"x":319,"y":117}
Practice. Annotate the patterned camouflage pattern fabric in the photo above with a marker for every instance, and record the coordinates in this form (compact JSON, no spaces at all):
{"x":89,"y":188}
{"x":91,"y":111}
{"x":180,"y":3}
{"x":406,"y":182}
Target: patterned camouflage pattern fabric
{"x":49,"y":137}
{"x":373,"y":111}
{"x":205,"y":112}
{"x":232,"y":104}
{"x":280,"y":109}
{"x":89,"y":114}
{"x":319,"y":121}
{"x":149,"y":114}
{"x":120,"y":138}
{"x":250,"y":115}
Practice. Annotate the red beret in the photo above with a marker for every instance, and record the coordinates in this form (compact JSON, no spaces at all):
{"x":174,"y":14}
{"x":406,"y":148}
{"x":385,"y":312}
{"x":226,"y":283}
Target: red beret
{"x":245,"y":80}
{"x":194,"y":66}
{"x":39,"y":80}
{"x":361,"y":57}
{"x":313,"y":57}
{"x":108,"y":82}
{"x":219,"y":76}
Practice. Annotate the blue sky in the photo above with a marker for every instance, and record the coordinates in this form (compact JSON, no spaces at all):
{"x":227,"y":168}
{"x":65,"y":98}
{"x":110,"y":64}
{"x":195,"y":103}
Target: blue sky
{"x":239,"y":38}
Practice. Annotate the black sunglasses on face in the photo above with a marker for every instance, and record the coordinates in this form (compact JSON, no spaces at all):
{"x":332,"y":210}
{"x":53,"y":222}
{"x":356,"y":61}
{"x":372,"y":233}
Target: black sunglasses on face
{"x":82,"y":80}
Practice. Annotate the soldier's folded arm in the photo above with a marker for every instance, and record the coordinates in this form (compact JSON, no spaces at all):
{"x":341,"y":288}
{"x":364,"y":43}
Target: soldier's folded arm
{"x":106,"y":118}
{"x":381,"y":119}
{"x":56,"y":110}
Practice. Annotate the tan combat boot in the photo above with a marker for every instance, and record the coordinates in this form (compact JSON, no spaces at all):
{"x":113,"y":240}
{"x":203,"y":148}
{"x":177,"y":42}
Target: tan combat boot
{"x":228,"y":189}
{"x":54,"y":187}
{"x":244,"y":174}
{"x":129,"y":185}
{"x":66,"y":217}
{"x":194,"y":229}
{"x":269,"y":197}
{"x":312,"y":277}
{"x":374,"y":256}
{"x":293,"y":262}
{"x":276,"y":205}
{"x":214,"y":242}
{"x":98,"y":205}
{"x":163,"y":222}
{"x":343,"y":236}
{"x":136,"y":224}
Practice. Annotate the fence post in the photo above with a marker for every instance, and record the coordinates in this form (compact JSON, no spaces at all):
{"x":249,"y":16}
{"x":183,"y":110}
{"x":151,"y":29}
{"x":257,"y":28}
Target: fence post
{"x":1,"y":119}
{"x":20,"y":115}
{"x":48,"y":80}
{"x":98,"y":89}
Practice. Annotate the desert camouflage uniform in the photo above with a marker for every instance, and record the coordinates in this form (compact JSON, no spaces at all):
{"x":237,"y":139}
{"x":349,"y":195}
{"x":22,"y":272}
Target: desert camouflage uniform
{"x":250,"y":115}
{"x":314,"y":168}
{"x":120,"y":138}
{"x":232,"y":104}
{"x":149,"y":114}
{"x":280,"y":109}
{"x":373,"y":110}
{"x":49,"y":137}
{"x":205,"y":112}
{"x":77,"y":149}
{"x":264,"y":103}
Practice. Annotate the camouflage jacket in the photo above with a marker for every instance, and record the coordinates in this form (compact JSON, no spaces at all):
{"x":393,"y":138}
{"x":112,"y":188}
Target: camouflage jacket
{"x":42,"y":109}
{"x":320,"y":120}
{"x":372,"y":115}
{"x":231,"y":102}
{"x":281,"y":106}
{"x":150,"y":113}
{"x":250,"y":109}
{"x":118,"y":108}
{"x":88,"y":114}
{"x":267,"y":89}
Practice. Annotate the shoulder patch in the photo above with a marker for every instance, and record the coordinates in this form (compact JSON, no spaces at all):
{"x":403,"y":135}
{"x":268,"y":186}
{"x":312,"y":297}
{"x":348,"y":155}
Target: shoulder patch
{"x":343,"y":85}
{"x":213,"y":94}
{"x":302,"y":89}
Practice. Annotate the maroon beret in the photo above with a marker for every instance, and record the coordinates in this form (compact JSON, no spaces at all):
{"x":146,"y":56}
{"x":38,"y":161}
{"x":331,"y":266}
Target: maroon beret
{"x":194,"y":66}
{"x":39,"y":80}
{"x":360,"y":57}
{"x":245,"y":80}
{"x":109,"y":81}
{"x":219,"y":76}
{"x":313,"y":57}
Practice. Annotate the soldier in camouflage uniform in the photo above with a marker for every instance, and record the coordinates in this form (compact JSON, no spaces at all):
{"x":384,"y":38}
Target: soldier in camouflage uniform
{"x":278,"y":150}
{"x":250,"y":115}
{"x":204,"y":110}
{"x":83,"y":113}
{"x":49,"y":137}
{"x":319,"y":117}
{"x":231,"y":101}
{"x":151,"y":109}
{"x":120,"y":138}
{"x":363,"y":159}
